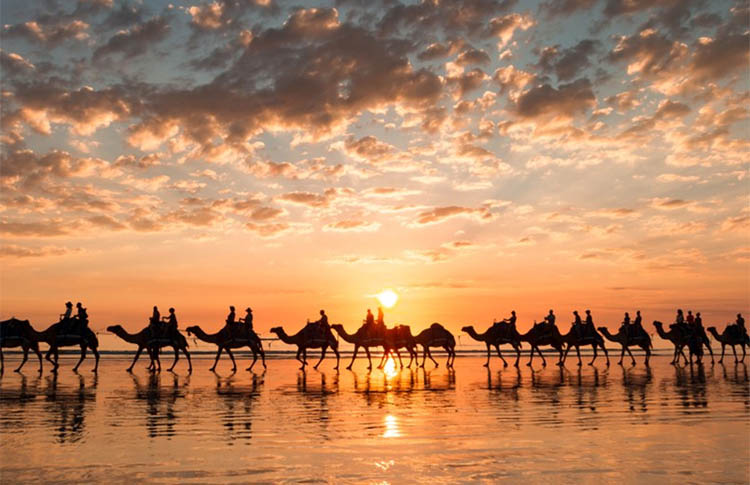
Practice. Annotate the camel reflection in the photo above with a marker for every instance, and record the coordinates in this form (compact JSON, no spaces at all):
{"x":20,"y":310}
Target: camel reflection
{"x":67,"y":406}
{"x":238,"y":398}
{"x":637,"y":382}
{"x":14,"y":403}
{"x":160,"y":399}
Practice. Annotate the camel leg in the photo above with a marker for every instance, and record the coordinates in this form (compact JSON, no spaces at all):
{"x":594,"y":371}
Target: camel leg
{"x":487,"y":364}
{"x":338,"y":357}
{"x":303,"y":361}
{"x":710,"y":351}
{"x":354,"y":356}
{"x":424,"y":356}
{"x":565,"y":355}
{"x":578,"y":353}
{"x":531,"y":356}
{"x":401,"y":362}
{"x":723,"y":347}
{"x":518,"y":356}
{"x":39,"y":356}
{"x":25,"y":358}
{"x":544,"y":361}
{"x":322,"y":356}
{"x":742,"y":360}
{"x":594,"y":346}
{"x":412,"y":353}
{"x":606,"y":354}
{"x":216,"y":361}
{"x":187,"y":356}
{"x":500,"y":354}
{"x":83,"y":356}
{"x":429,"y":354}
{"x":683,"y":356}
{"x":176,"y":357}
{"x":369,"y":358}
{"x":382,"y":359}
{"x":648,"y":355}
{"x":96,"y":359}
{"x":734,"y":351}
{"x":255,"y":357}
{"x":631,"y":355}
{"x":231,"y":357}
{"x":135,"y":359}
{"x":262,"y":356}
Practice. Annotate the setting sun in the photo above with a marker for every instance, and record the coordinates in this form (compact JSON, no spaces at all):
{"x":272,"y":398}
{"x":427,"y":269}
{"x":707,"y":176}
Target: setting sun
{"x":387,"y":298}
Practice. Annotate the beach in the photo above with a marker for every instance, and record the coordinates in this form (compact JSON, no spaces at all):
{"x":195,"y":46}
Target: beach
{"x":591,"y":424}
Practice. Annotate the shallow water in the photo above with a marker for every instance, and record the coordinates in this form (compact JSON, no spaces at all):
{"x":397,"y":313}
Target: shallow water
{"x":571,"y":425}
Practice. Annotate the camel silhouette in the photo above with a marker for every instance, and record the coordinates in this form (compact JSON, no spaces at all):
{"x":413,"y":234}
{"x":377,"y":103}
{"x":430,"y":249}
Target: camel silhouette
{"x":396,"y":338}
{"x":641,"y":340}
{"x":364,"y":337}
{"x":590,"y":337}
{"x":56,"y":339}
{"x":678,"y":339}
{"x":18,"y":333}
{"x":310,"y":337}
{"x":731,"y":336}
{"x":540,"y":335}
{"x":437,"y":336}
{"x":224,"y":340}
{"x":499,"y":333}
{"x":144,"y":341}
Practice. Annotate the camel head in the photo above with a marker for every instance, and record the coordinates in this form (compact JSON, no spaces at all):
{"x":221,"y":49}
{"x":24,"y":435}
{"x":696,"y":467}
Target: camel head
{"x":336,"y":326}
{"x":602,"y":329}
{"x":658,"y":324}
{"x":114,"y":328}
{"x":277,"y":330}
{"x":191,"y":330}
{"x":467,"y":328}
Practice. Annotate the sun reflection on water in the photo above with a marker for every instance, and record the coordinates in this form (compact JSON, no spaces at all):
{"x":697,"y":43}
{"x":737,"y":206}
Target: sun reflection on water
{"x":389,"y":368}
{"x":391,"y":427}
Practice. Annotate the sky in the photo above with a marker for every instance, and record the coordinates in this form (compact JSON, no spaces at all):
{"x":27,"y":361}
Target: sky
{"x":475,"y":156}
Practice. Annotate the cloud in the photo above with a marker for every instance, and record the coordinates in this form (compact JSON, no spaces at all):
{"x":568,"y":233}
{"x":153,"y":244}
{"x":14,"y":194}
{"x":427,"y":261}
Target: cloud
{"x":545,"y":103}
{"x":14,"y":64}
{"x":441,"y":214}
{"x":352,"y":225}
{"x":669,"y":204}
{"x":568,"y":63}
{"x":135,"y":41}
{"x":49,"y":33}
{"x":16,"y":251}
{"x":47,"y":228}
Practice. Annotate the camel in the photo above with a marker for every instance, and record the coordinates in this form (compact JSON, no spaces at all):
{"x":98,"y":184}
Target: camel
{"x":144,"y":341}
{"x":731,"y":336}
{"x":224,"y":340}
{"x":643,"y":341}
{"x":437,"y":336}
{"x":55,"y":340}
{"x":496,"y":335}
{"x":18,"y":333}
{"x":364,"y":338}
{"x":574,"y":340}
{"x":677,"y":338}
{"x":310,"y":338}
{"x":396,"y":338}
{"x":539,"y":335}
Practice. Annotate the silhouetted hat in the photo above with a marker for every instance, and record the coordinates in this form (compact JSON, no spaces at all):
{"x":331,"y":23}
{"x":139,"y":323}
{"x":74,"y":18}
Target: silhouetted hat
{"x":68,"y":304}
{"x":248,"y":309}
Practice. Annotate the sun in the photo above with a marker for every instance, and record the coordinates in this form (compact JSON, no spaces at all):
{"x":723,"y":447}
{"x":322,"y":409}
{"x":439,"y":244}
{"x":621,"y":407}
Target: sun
{"x":387,"y":298}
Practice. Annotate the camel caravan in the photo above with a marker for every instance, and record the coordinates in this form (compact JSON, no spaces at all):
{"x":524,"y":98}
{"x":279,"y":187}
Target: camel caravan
{"x":687,"y":332}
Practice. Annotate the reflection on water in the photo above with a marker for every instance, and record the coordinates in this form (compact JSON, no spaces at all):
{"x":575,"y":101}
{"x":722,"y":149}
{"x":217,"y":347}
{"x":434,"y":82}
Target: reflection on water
{"x":634,"y":424}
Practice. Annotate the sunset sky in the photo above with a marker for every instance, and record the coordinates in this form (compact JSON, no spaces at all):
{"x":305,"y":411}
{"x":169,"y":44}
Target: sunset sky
{"x":474,"y":156}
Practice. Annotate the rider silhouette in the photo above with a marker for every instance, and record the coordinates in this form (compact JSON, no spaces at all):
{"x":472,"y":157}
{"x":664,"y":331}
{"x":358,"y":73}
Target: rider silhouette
{"x":171,"y":326}
{"x":589,"y":322}
{"x":82,"y":318}
{"x":322,"y":323}
{"x":229,"y":322}
{"x":380,"y":316}
{"x":577,"y":324}
{"x":154,"y":323}
{"x":248,"y":322}
{"x":369,"y":319}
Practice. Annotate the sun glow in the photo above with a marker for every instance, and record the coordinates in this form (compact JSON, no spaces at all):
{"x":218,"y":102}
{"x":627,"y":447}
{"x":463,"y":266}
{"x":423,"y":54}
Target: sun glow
{"x":389,"y":368}
{"x":387,"y":298}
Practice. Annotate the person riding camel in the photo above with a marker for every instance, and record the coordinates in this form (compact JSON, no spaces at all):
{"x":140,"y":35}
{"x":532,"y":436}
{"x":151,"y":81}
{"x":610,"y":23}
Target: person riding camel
{"x":65,"y":317}
{"x":625,"y":326}
{"x":170,"y":328}
{"x":690,"y":319}
{"x":229,"y":323}
{"x":81,"y":319}
{"x":380,"y":320}
{"x":247,"y":323}
{"x":369,"y":320}
{"x":154,"y":323}
{"x":741,"y":324}
{"x":322,"y":323}
{"x":511,"y":321}
{"x":577,"y":325}
{"x":589,"y":325}
{"x":638,"y":322}
{"x":549,"y":322}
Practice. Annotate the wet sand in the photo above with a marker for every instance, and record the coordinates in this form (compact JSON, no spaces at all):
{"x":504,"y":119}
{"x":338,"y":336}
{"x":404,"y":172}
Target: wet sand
{"x":571,"y":425}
